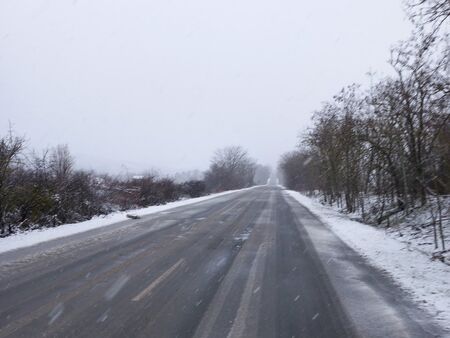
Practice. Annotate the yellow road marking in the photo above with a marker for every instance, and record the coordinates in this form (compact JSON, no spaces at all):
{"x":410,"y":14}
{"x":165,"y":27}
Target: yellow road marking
{"x":148,"y":290}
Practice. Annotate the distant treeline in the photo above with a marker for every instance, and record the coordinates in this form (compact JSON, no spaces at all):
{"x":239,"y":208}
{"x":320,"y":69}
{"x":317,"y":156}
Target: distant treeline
{"x":45,"y":189}
{"x":390,"y":142}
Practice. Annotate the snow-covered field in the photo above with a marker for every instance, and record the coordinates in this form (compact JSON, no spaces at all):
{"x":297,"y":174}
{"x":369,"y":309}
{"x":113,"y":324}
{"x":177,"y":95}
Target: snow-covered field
{"x":426,"y":280}
{"x":29,"y":238}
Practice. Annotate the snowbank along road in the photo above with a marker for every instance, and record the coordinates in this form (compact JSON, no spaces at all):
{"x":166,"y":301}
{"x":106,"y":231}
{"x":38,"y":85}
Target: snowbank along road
{"x":254,"y":263}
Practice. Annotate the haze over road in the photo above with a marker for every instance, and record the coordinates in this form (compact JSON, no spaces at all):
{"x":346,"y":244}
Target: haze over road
{"x":249,"y":264}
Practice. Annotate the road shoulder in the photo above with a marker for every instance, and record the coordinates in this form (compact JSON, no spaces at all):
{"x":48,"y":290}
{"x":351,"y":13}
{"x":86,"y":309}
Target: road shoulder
{"x":370,"y":294}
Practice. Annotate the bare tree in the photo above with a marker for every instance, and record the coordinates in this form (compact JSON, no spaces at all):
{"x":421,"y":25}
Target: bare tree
{"x":61,"y":164}
{"x":231,"y":168}
{"x":10,"y":150}
{"x":431,"y":14}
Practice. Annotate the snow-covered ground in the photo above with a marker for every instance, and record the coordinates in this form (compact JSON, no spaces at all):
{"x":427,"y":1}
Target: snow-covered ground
{"x":426,"y":280}
{"x":29,"y":238}
{"x":414,"y":229}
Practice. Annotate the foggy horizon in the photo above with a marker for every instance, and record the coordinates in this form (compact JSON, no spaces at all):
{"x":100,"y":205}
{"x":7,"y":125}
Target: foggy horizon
{"x":160,"y":86}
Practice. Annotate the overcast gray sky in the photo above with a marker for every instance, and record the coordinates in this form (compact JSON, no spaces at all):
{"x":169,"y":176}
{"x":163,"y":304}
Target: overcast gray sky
{"x":162,"y":84}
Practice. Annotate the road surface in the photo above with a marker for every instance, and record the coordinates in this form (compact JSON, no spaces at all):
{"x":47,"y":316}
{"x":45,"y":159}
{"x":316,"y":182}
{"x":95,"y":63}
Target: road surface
{"x":250,"y":264}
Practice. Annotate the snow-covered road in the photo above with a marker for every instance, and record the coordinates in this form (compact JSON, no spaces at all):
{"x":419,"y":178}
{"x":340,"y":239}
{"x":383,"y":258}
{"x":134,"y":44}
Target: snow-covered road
{"x":253,"y":263}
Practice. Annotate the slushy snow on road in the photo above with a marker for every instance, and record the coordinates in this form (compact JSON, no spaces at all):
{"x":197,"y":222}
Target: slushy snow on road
{"x":427,"y":281}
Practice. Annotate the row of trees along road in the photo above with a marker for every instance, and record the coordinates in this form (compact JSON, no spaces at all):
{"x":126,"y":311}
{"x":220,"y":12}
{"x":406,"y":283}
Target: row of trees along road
{"x":391,"y":142}
{"x":45,"y":189}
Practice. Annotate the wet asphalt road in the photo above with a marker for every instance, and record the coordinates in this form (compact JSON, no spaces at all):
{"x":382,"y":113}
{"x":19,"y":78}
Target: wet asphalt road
{"x":249,"y":264}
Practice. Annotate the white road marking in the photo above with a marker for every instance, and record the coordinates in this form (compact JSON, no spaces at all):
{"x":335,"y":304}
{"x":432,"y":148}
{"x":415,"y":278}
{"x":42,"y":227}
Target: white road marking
{"x":148,"y":290}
